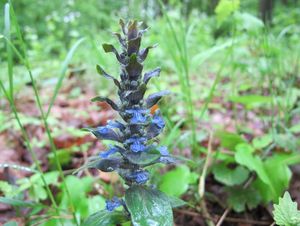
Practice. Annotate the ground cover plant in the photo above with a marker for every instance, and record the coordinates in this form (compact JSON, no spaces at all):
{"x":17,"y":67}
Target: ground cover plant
{"x":231,"y":122}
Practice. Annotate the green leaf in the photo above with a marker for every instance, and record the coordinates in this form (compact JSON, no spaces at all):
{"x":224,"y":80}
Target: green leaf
{"x":230,"y":177}
{"x":106,"y":218}
{"x":286,"y":212}
{"x":143,"y":158}
{"x":229,"y":140}
{"x":273,"y":174}
{"x":18,"y":202}
{"x":245,"y":157}
{"x":251,"y":101}
{"x":225,"y":8}
{"x":7,"y":189}
{"x":63,"y":155}
{"x":96,"y":203}
{"x":279,"y":176}
{"x":175,"y":202}
{"x":262,"y":142}
{"x":148,"y":207}
{"x":176,"y":181}
{"x":78,"y":189}
{"x":239,"y":198}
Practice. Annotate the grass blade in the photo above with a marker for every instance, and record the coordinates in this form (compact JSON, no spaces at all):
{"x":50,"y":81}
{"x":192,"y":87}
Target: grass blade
{"x":8,"y":49}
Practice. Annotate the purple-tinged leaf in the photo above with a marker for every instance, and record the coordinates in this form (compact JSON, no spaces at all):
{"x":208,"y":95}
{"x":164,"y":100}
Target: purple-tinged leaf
{"x":103,"y":73}
{"x":135,"y":96}
{"x":143,"y":53}
{"x":121,"y":40}
{"x":109,"y":165}
{"x":106,"y":133}
{"x":133,"y":46}
{"x":108,"y":48}
{"x":123,"y":27}
{"x":142,"y":31}
{"x":132,"y":30}
{"x":151,"y":74}
{"x":155,"y":97}
{"x":107,"y":100}
{"x":134,"y":68}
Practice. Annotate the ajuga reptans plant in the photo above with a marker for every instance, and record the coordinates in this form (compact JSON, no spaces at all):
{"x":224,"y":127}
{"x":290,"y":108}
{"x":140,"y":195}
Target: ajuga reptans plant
{"x":134,"y":149}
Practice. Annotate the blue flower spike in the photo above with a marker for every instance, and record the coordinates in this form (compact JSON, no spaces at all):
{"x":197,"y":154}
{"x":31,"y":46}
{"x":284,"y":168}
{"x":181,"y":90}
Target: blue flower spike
{"x":138,"y":126}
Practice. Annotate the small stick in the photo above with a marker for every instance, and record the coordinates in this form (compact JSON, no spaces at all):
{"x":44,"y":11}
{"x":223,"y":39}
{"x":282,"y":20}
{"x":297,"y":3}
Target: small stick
{"x":228,"y":219}
{"x":223,"y":216}
{"x":201,"y":187}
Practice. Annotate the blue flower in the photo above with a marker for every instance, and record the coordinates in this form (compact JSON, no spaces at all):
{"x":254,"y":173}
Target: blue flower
{"x":110,"y":151}
{"x":163,"y":150}
{"x":156,"y":126}
{"x":107,"y":133}
{"x":139,"y":177}
{"x":158,"y":120}
{"x":137,"y":144}
{"x":137,"y":115}
{"x":115,"y":125}
{"x":114,"y":203}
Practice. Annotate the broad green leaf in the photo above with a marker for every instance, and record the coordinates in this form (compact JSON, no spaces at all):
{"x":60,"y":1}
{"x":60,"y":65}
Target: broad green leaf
{"x":279,"y":175}
{"x":229,"y":140}
{"x":245,"y":157}
{"x":176,"y":181}
{"x":175,"y":202}
{"x":262,"y":142}
{"x":230,"y":177}
{"x":251,"y":101}
{"x":148,"y":207}
{"x":7,"y":189}
{"x":63,"y":155}
{"x":273,"y":174}
{"x":96,"y":203}
{"x":286,"y":212}
{"x":239,"y":198}
{"x":106,"y":218}
{"x":38,"y":192}
{"x":225,"y":8}
{"x":78,"y":188}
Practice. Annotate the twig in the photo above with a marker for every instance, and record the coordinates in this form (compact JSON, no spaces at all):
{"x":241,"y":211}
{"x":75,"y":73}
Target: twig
{"x":228,"y":219}
{"x":201,"y":187}
{"x":220,"y":221}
